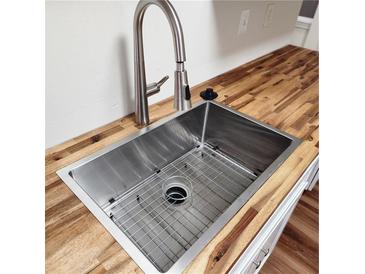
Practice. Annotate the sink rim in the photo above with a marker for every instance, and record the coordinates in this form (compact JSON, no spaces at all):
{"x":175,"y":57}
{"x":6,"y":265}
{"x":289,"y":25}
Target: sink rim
{"x":133,"y":251}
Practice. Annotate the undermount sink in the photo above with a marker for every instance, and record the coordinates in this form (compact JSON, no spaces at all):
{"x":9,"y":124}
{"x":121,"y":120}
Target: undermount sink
{"x":166,"y":191}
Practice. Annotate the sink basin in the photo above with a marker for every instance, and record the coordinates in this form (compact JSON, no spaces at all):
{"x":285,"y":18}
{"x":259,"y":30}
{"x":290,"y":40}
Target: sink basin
{"x":166,"y":191}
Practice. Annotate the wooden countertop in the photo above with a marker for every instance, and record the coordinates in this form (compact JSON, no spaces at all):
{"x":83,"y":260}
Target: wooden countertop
{"x":280,"y":88}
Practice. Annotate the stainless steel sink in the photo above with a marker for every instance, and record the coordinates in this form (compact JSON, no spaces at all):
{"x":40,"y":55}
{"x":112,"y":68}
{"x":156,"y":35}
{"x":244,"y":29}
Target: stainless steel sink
{"x":164,"y":192}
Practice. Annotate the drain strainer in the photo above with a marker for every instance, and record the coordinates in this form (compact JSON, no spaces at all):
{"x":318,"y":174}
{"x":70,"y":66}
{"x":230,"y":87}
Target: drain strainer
{"x":177,"y":190}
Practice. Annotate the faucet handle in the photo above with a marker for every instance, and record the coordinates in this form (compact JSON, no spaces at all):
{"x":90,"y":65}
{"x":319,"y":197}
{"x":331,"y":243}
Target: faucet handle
{"x":162,"y":81}
{"x":154,"y":88}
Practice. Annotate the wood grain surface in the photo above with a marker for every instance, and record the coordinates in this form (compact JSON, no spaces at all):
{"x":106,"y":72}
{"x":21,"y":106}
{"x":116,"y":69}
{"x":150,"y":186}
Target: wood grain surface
{"x":280,"y":88}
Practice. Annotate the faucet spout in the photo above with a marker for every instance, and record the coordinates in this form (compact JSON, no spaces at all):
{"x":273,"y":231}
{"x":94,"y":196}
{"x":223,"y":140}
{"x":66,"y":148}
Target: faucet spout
{"x":182,"y":92}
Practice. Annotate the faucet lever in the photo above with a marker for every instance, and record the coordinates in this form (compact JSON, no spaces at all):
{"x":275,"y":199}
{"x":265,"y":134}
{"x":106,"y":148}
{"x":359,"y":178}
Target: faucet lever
{"x":154,"y":87}
{"x":162,"y":81}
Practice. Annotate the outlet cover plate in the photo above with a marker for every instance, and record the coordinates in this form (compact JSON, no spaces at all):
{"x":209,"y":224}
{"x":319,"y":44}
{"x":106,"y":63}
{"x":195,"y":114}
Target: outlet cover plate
{"x":243,"y":24}
{"x":269,"y":14}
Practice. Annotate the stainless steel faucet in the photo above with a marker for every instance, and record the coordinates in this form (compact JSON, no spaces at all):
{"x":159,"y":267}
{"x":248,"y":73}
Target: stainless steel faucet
{"x":143,"y":91}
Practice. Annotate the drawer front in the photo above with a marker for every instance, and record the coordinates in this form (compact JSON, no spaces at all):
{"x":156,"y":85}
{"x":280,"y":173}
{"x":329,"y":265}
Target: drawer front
{"x":274,"y":237}
{"x":252,"y":268}
{"x":261,"y":247}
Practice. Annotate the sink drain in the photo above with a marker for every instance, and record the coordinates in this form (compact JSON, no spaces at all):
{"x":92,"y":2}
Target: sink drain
{"x":176,"y":195}
{"x":177,"y":190}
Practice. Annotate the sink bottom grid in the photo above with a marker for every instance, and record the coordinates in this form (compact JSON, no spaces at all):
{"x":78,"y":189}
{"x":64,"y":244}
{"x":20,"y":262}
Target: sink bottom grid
{"x":172,"y":208}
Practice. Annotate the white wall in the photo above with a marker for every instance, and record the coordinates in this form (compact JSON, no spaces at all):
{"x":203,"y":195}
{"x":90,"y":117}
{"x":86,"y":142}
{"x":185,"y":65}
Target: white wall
{"x":89,"y":53}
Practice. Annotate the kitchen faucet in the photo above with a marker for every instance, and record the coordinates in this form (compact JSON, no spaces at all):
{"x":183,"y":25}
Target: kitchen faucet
{"x":142,"y":90}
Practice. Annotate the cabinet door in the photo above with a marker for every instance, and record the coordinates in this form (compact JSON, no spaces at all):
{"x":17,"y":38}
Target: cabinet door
{"x":313,"y":179}
{"x":314,"y":174}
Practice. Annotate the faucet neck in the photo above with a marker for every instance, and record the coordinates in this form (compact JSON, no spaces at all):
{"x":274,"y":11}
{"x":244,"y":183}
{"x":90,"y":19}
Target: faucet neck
{"x":174,"y":22}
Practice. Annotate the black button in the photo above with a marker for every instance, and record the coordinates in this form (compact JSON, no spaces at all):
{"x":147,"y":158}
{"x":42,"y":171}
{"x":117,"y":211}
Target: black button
{"x":208,"y":94}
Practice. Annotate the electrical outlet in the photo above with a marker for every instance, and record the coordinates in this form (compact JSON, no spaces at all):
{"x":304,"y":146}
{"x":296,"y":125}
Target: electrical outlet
{"x":269,"y":14}
{"x":242,"y":27}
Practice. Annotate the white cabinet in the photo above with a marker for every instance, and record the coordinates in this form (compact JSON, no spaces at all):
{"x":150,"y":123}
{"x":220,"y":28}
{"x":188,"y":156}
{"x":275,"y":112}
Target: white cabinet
{"x":262,"y":245}
{"x":313,"y":175}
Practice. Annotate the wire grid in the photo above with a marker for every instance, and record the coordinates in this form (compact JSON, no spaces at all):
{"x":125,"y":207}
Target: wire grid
{"x":162,"y":230}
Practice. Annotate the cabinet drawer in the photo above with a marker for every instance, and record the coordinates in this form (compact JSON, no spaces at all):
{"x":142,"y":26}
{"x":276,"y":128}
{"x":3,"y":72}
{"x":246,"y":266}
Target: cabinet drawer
{"x":274,"y":237}
{"x":262,"y":245}
{"x":266,"y":241}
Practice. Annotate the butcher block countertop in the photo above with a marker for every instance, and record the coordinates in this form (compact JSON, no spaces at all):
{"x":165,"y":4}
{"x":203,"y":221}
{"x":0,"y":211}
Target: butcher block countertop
{"x":280,"y":89}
